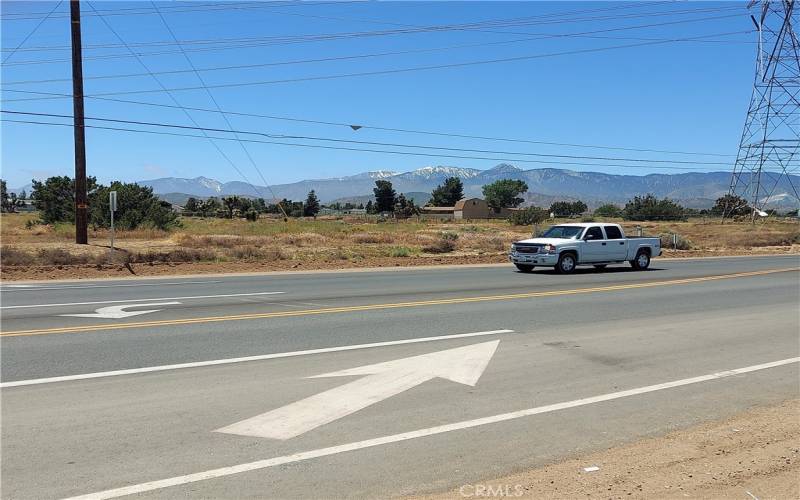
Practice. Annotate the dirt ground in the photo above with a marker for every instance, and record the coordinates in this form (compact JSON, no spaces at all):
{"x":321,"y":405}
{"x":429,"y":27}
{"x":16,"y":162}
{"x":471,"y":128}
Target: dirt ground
{"x":753,"y":455}
{"x":202,"y":246}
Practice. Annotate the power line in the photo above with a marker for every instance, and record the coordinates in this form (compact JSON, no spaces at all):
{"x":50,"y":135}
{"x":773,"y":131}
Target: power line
{"x":216,"y":105}
{"x":364,"y":150}
{"x":253,"y":42}
{"x":30,"y":34}
{"x":352,"y":125}
{"x":406,"y":29}
{"x":175,"y":101}
{"x":368,"y":143}
{"x":390,"y":53}
{"x":132,"y":11}
{"x":390,"y":71}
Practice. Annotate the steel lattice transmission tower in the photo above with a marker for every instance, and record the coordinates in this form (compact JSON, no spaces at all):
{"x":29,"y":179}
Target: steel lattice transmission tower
{"x":769,"y":150}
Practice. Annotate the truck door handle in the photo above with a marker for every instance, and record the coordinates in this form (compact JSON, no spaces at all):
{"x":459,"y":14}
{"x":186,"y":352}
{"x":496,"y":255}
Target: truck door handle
{"x":621,"y":242}
{"x":604,"y":243}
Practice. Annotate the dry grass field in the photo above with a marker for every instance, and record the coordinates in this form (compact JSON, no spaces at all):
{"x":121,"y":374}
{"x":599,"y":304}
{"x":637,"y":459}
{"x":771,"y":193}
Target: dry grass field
{"x":225,"y":245}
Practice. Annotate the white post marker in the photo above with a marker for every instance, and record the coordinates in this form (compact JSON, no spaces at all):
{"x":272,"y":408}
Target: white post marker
{"x":464,"y":365}
{"x":112,"y":203}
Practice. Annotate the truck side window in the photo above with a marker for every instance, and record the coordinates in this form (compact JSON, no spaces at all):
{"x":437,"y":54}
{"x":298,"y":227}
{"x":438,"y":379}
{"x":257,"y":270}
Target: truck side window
{"x":613,"y":233}
{"x":594,"y":233}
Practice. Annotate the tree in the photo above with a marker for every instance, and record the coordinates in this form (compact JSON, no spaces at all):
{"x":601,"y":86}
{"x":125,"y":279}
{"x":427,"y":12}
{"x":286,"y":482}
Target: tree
{"x":311,"y":208}
{"x":447,"y":193}
{"x":731,"y":205}
{"x":504,"y":193}
{"x":231,"y":203}
{"x":384,"y":196}
{"x":568,"y":209}
{"x":608,"y":210}
{"x":370,"y":207}
{"x":528,"y":216}
{"x":3,"y":195}
{"x":55,"y":198}
{"x":642,"y":208}
{"x":191,"y":205}
{"x":405,"y":208}
{"x":209,"y":207}
{"x":136,"y":206}
{"x":579,"y":207}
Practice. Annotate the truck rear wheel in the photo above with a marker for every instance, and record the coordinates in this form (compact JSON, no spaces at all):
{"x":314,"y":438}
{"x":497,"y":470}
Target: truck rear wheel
{"x":525,"y":268}
{"x":642,"y":261}
{"x":566,"y":263}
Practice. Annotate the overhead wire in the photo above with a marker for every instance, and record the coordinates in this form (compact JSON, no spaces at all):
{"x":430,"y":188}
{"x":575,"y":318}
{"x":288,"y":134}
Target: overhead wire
{"x":387,"y":71}
{"x":365,"y":150}
{"x":368,"y":143}
{"x":357,"y":126}
{"x":283,"y":40}
{"x":30,"y":34}
{"x":219,"y":109}
{"x":175,"y":101}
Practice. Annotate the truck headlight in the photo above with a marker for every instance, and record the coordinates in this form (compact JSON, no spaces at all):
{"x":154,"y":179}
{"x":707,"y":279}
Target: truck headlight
{"x":550,"y":249}
{"x":513,"y":247}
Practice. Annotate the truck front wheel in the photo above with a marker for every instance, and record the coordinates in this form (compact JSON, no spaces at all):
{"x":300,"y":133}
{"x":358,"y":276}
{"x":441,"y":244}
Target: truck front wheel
{"x":642,"y":261}
{"x":566,"y":263}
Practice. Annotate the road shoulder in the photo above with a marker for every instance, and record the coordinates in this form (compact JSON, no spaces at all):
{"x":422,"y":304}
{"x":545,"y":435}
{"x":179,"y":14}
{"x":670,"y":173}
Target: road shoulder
{"x":755,"y":454}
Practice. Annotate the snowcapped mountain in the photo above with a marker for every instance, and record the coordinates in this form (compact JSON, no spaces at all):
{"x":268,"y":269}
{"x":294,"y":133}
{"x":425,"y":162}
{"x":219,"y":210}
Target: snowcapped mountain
{"x":696,"y":189}
{"x":439,"y":173}
{"x":199,"y":186}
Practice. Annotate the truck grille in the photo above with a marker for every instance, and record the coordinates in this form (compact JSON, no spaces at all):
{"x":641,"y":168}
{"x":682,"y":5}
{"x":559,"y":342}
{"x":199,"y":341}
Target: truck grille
{"x":528,"y":248}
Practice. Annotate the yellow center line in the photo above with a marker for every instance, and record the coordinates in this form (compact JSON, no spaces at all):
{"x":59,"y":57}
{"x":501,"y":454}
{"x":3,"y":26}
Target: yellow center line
{"x":374,"y":307}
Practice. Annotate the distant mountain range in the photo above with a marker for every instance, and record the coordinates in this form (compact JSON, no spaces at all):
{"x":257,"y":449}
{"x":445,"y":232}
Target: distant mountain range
{"x":694,"y":189}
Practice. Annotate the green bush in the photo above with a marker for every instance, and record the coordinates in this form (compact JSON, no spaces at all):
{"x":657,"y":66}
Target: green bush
{"x":399,"y":252}
{"x":646,"y":208}
{"x":528,"y":216}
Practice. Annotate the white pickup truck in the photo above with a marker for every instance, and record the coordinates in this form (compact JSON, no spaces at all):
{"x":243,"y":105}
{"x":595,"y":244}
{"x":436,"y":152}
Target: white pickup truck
{"x":567,"y":246}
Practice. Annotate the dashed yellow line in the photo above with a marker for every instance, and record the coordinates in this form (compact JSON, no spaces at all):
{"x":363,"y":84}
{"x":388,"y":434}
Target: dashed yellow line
{"x":374,"y":307}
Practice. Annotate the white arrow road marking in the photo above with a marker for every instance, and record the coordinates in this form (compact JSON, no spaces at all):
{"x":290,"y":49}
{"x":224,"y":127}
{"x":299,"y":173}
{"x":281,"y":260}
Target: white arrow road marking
{"x":464,"y":365}
{"x":230,"y":470}
{"x":117,"y":312}
{"x":246,"y":359}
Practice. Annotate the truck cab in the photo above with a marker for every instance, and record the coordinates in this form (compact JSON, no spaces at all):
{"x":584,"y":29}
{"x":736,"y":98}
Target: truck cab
{"x":566,"y":246}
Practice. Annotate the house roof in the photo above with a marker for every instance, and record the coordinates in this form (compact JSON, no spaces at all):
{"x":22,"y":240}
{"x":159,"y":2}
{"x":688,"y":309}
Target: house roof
{"x":460,"y":203}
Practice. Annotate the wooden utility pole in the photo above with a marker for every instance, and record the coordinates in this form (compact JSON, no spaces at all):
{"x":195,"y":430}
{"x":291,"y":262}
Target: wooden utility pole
{"x":81,"y":201}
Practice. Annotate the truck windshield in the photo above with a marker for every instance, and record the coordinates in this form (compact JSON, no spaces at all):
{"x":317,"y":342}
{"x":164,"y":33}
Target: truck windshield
{"x":563,"y":232}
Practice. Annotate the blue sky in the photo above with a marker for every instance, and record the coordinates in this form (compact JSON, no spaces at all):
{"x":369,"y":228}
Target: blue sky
{"x":676,"y":96}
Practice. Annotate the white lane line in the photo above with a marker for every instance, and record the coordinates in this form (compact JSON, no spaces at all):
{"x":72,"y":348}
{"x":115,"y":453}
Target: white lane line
{"x":29,"y":288}
{"x":405,"y":436}
{"x":229,"y":361}
{"x":31,"y":306}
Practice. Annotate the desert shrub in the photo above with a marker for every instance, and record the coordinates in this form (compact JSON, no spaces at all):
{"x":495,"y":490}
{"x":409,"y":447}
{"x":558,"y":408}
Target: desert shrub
{"x":205,"y":241}
{"x":177,"y":255}
{"x":587,"y":219}
{"x":682,"y":243}
{"x":60,"y":257}
{"x":528,"y":216}
{"x":246,"y":252}
{"x":399,"y":252}
{"x":373,"y":238}
{"x":449,"y":236}
{"x":10,"y":256}
{"x":440,"y":246}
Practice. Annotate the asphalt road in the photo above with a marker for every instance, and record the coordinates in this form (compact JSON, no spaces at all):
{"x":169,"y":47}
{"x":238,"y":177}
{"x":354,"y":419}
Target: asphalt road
{"x":477,"y":372}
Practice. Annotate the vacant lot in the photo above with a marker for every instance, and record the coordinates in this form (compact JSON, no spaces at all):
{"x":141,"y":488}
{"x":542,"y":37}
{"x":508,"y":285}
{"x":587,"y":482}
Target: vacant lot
{"x":224,"y":245}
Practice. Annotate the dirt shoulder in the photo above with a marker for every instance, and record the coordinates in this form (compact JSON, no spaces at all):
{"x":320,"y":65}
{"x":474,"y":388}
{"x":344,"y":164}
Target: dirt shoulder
{"x":753,"y":455}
